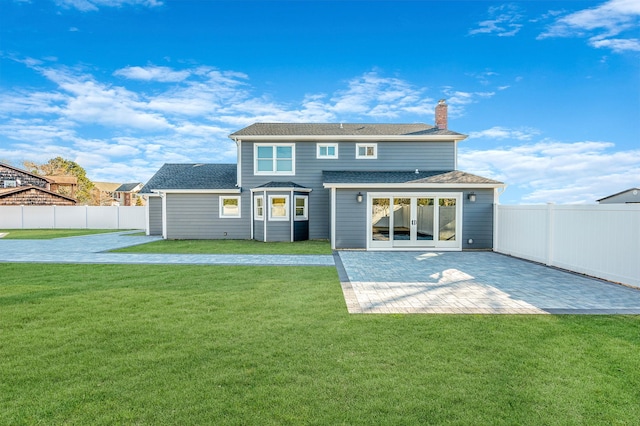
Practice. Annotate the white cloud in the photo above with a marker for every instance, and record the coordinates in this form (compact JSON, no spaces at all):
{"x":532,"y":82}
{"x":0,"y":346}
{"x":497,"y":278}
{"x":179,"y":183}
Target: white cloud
{"x":601,"y":24}
{"x":499,"y":133}
{"x":504,"y":21}
{"x":547,"y":171}
{"x":94,"y":5}
{"x":152,"y":73}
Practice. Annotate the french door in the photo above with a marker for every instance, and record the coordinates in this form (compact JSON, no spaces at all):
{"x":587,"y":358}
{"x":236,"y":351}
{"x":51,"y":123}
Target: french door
{"x":414,"y":221}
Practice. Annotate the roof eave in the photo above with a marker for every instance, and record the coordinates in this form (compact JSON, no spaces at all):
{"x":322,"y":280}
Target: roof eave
{"x":407,"y":185}
{"x":348,"y":138}
{"x":198,"y":191}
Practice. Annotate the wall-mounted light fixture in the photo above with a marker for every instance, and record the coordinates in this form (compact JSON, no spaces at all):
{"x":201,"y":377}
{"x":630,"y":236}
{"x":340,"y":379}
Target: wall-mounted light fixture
{"x":359,"y":197}
{"x":471,"y":197}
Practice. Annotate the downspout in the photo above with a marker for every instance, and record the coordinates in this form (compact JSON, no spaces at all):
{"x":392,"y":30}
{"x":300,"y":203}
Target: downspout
{"x":333,"y":218}
{"x":292,"y":212}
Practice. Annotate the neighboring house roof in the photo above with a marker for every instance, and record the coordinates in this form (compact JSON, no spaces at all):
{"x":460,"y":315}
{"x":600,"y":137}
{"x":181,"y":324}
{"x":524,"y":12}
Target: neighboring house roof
{"x":630,"y":190}
{"x":425,"y":177}
{"x":128,"y":187}
{"x":5,"y":192}
{"x":193,"y":176}
{"x":69,"y":180}
{"x":341,"y":130}
{"x":25,"y":172}
{"x":106,"y":186}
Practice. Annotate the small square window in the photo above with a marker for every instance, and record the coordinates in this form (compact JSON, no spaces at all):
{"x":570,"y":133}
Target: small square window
{"x":327,"y":150}
{"x":229,"y":207}
{"x":367,"y":150}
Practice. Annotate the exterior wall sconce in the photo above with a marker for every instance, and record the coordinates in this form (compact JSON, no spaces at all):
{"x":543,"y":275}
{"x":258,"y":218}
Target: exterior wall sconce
{"x":359,"y":197}
{"x":471,"y":197}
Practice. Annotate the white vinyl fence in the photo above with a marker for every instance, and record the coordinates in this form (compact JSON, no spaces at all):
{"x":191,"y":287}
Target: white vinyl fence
{"x":67,"y":217}
{"x":598,"y":240}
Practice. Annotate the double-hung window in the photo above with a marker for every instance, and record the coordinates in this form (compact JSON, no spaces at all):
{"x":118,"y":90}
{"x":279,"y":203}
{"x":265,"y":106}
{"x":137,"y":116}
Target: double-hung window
{"x":327,"y":150}
{"x":366,"y":150}
{"x":301,"y":207}
{"x":278,"y":207}
{"x":229,"y":206}
{"x":258,"y":203}
{"x":274,"y":159}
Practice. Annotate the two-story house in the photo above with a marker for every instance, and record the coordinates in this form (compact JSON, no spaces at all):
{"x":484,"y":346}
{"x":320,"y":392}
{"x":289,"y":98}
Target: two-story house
{"x":367,"y":186}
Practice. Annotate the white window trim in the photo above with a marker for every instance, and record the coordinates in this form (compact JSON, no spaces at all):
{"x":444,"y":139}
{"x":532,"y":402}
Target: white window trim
{"x":286,"y":208}
{"x":274,"y":172}
{"x":327,"y":145}
{"x":255,"y":207}
{"x":11,"y":183}
{"x":221,"y":207}
{"x":367,"y":157}
{"x":306,"y":207}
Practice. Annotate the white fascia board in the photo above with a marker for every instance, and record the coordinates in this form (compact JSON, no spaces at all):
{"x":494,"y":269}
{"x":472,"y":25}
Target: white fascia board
{"x":197,"y":191}
{"x":412,"y":185}
{"x":287,"y":189}
{"x":351,"y":138}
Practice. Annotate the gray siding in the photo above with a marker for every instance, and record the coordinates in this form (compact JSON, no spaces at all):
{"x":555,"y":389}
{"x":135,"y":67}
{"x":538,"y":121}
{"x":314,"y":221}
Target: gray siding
{"x":391,"y":156}
{"x":154,"y":204}
{"x":351,"y":217}
{"x":625,"y":197}
{"x":477,"y":220}
{"x":258,"y":230}
{"x":196,"y":216}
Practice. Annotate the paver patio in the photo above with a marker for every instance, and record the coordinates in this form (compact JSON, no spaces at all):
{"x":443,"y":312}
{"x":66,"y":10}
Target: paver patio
{"x":473,"y":282}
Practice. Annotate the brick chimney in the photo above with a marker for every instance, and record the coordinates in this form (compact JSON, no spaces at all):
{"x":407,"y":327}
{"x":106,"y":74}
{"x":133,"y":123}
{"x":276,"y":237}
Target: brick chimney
{"x":441,"y":114}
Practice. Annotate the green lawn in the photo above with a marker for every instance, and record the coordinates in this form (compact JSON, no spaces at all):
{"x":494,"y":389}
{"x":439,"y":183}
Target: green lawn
{"x":230,"y":247}
{"x":46,"y":234}
{"x":161,"y":344}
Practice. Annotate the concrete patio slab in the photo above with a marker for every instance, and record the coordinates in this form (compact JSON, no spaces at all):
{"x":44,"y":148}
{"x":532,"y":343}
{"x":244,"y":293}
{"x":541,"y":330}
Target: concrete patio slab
{"x":473,"y":283}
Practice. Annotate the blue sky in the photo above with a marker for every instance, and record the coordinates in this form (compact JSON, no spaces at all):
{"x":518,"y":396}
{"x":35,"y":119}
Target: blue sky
{"x":548,"y":92}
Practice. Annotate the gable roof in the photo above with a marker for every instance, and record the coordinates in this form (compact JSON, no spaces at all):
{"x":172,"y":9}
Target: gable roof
{"x":193,"y":176}
{"x":128,"y":187}
{"x":342,"y":130}
{"x":17,"y":169}
{"x":106,"y":186}
{"x":406,"y":177}
{"x":4,"y":192}
{"x":619,"y":193}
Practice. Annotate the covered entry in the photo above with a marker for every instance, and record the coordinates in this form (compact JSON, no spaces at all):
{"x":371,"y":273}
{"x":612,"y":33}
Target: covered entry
{"x":414,"y":220}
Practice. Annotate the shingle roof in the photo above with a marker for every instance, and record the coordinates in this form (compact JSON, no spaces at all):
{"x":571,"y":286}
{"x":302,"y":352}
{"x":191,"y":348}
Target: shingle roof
{"x":618,"y":193}
{"x":340,"y":129}
{"x":126,"y":187}
{"x":280,"y":185}
{"x":193,"y":176}
{"x":422,"y":177}
{"x":14,"y":190}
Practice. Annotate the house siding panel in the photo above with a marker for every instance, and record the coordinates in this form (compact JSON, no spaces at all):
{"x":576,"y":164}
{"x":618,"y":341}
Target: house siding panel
{"x":392,"y":156}
{"x":155,"y":215}
{"x":196,"y":216}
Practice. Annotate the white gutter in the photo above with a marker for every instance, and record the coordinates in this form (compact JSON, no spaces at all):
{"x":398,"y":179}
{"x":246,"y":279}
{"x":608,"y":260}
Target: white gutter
{"x":283,"y":189}
{"x":197,"y":191}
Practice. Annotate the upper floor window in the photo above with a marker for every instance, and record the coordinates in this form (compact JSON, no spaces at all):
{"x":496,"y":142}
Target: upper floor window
{"x":327,"y":150}
{"x":367,"y":150}
{"x":229,"y":206}
{"x":10,"y":183}
{"x":274,"y":159}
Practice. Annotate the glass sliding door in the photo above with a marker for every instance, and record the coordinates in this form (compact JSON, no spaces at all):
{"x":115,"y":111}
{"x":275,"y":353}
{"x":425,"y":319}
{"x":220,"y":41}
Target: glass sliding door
{"x":414,"y":221}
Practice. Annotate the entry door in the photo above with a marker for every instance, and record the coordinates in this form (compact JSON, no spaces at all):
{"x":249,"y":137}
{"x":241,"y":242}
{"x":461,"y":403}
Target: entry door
{"x":414,"y":221}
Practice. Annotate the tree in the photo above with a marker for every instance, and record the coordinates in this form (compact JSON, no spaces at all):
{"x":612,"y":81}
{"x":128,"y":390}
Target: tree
{"x":61,"y":167}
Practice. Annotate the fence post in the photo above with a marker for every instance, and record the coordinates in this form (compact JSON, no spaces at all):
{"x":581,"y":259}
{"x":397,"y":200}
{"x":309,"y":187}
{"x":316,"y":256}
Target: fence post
{"x":550,"y":233}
